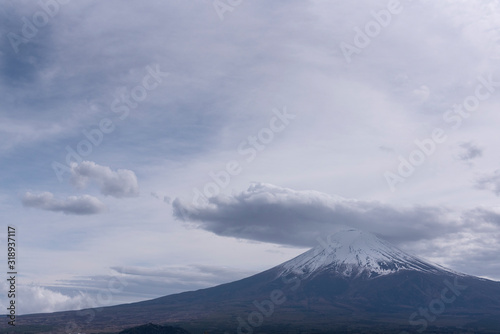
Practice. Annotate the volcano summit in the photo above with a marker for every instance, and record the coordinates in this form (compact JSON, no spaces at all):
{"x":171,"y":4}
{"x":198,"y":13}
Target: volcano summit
{"x":353,"y":253}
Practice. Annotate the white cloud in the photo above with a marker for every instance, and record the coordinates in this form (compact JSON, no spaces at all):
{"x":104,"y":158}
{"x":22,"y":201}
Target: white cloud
{"x":38,"y":299}
{"x":120,"y":183}
{"x":76,"y":205}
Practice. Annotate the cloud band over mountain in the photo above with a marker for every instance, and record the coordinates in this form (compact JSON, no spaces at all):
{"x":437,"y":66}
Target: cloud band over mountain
{"x":274,"y":214}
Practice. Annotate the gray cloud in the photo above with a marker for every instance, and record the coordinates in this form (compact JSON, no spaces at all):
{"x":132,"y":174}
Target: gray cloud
{"x":482,"y":215}
{"x":122,"y":183}
{"x":472,"y":250}
{"x":279,"y":215}
{"x":490,"y":182}
{"x":469,"y":151}
{"x":76,"y":205}
{"x":386,"y":149}
{"x":273,"y":214}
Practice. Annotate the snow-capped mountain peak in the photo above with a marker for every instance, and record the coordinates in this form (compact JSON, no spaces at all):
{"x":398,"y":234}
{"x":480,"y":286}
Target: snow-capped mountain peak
{"x":355,"y":253}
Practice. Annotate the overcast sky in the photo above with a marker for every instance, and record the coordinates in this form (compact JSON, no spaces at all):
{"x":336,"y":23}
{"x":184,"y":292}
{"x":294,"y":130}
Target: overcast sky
{"x":153,"y":147}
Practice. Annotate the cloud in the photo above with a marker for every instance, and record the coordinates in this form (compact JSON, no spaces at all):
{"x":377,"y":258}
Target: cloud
{"x":19,"y":132}
{"x":280,"y":215}
{"x":490,"y":182}
{"x":148,"y":282}
{"x":422,"y":93}
{"x":199,"y":275}
{"x":386,"y":149}
{"x":73,"y":205}
{"x":462,"y":240}
{"x":38,"y":299}
{"x":122,"y":183}
{"x":165,"y":199}
{"x":469,"y":151}
{"x":482,"y":216}
{"x":472,"y":249}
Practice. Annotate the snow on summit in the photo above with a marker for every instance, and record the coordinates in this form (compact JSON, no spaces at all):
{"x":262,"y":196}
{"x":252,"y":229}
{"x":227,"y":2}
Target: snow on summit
{"x":354,"y":253}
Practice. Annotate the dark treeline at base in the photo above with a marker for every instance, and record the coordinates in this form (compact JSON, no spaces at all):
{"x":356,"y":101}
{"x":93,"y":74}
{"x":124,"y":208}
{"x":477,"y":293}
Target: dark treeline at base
{"x":194,"y":328}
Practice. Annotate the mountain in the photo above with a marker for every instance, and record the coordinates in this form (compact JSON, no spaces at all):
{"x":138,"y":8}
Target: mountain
{"x":353,"y":253}
{"x":355,"y":283}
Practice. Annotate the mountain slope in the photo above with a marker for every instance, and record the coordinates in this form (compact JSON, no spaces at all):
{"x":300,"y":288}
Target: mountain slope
{"x":357,"y":282}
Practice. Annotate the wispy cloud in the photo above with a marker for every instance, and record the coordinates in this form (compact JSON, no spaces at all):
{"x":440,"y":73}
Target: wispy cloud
{"x":146,"y":282}
{"x":469,"y":151}
{"x":73,"y":205}
{"x":201,"y":275}
{"x":490,"y":182}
